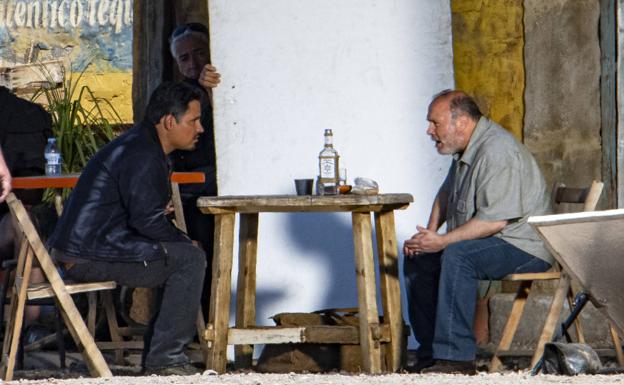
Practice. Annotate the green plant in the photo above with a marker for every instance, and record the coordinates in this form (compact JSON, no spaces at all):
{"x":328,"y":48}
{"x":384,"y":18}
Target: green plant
{"x":81,"y":122}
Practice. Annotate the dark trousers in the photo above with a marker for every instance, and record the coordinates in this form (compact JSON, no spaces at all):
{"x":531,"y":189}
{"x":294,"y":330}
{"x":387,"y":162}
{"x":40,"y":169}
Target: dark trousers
{"x":442,"y":292}
{"x":179,"y":278}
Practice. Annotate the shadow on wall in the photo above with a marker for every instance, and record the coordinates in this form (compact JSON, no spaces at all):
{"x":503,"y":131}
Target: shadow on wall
{"x":329,"y":236}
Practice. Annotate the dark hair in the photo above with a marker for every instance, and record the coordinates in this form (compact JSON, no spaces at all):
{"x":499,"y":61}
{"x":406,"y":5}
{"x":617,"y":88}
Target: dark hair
{"x":460,"y":103}
{"x":170,"y":98}
{"x":188,"y":27}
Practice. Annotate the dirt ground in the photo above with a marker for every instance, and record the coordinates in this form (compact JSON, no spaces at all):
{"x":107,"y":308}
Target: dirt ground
{"x":337,"y":379}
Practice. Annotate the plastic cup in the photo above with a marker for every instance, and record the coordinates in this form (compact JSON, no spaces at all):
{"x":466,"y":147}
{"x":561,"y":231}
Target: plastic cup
{"x":304,"y":186}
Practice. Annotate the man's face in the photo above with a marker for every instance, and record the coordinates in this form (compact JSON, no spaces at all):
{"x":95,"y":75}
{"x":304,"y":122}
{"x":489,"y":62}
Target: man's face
{"x":191,"y":55}
{"x":184,"y":133}
{"x":443,"y":129}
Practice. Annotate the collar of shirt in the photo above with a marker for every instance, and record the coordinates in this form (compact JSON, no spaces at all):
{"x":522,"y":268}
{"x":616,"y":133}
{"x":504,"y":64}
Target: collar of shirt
{"x":478,"y":136}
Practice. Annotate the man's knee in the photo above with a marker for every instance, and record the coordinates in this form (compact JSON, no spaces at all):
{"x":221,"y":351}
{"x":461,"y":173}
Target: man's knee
{"x":187,"y":256}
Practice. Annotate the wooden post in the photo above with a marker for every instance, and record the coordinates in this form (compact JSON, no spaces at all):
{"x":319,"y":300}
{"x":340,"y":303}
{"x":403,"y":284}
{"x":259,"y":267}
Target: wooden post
{"x":367,"y":296}
{"x":246,"y":286}
{"x":390,"y":287}
{"x":609,"y":84}
{"x":219,"y":318}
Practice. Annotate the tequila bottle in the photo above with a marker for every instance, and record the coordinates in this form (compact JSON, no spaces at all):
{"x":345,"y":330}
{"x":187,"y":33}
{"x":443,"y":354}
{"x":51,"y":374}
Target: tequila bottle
{"x":328,"y":167}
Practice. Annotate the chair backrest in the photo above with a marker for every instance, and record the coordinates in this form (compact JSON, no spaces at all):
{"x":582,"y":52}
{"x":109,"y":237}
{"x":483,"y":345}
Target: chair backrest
{"x":563,"y":197}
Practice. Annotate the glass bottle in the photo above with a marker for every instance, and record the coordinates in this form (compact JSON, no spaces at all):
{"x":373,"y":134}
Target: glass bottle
{"x":328,"y":167}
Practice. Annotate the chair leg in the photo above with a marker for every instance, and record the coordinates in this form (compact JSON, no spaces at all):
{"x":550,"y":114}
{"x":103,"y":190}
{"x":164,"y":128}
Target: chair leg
{"x":113,"y":326}
{"x":512,"y":324}
{"x":60,"y":340}
{"x":18,"y":304}
{"x":551,"y":319}
{"x":617,"y":344}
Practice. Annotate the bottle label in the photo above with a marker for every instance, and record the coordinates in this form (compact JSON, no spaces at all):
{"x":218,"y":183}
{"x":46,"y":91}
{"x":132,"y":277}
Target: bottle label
{"x":53,"y":158}
{"x":328,"y":168}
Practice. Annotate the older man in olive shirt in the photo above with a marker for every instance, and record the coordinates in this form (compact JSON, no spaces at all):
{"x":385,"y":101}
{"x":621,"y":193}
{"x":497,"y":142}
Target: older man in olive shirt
{"x":493,"y":186}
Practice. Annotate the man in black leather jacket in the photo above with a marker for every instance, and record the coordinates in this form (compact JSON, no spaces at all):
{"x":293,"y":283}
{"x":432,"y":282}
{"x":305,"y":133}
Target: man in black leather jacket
{"x":114,"y":225}
{"x":190,"y":49}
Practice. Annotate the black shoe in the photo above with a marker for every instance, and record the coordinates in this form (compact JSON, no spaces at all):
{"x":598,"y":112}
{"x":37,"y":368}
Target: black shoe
{"x":179,"y":370}
{"x":421,"y":364}
{"x":452,"y":367}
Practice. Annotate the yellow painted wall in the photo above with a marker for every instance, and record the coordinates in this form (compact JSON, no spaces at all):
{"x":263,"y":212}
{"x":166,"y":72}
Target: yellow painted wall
{"x":488,"y":45}
{"x":115,"y":87}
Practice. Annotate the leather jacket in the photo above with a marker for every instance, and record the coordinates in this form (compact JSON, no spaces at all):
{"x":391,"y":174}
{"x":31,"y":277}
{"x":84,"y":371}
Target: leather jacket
{"x":202,"y":158}
{"x":116,"y":212}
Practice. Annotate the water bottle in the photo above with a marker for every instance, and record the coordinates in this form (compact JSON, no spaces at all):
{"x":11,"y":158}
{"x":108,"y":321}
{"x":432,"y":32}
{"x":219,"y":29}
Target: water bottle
{"x":53,"y":158}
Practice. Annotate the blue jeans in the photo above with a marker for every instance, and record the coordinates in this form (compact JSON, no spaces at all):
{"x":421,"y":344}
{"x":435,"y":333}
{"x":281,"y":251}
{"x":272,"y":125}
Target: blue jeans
{"x":442,"y":292}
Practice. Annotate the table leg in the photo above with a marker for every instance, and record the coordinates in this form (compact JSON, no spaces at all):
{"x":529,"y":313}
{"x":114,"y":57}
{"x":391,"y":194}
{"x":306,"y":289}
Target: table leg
{"x":219,"y":317}
{"x":367,"y":295}
{"x":246,"y":285}
{"x":390,"y":287}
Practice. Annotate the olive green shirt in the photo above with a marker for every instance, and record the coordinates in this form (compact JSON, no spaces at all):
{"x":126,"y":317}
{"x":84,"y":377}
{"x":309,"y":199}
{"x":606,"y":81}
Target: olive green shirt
{"x":496,"y":178}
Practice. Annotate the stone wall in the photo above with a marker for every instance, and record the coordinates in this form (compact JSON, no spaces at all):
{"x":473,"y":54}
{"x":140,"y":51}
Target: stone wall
{"x":562,"y":96}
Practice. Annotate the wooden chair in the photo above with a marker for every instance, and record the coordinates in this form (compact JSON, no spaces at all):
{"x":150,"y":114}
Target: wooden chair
{"x":31,"y":247}
{"x":588,"y":198}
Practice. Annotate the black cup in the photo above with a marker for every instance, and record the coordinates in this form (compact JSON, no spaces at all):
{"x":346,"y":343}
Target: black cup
{"x":304,"y":186}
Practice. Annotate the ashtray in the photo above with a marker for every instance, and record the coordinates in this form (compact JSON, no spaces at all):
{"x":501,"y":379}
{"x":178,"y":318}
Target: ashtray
{"x":344,"y":189}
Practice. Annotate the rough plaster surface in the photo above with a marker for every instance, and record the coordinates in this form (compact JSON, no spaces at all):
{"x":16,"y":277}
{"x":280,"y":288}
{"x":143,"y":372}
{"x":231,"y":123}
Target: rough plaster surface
{"x":488,"y":48}
{"x":562,"y":98}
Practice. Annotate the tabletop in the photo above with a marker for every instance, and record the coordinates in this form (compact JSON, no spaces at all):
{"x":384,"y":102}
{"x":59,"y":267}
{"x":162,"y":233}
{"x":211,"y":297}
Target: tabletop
{"x":69,"y":180}
{"x":298,"y":203}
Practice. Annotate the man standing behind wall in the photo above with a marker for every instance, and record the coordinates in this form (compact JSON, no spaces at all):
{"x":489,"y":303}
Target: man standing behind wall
{"x":493,"y":186}
{"x":114,"y":225}
{"x":190,"y":49}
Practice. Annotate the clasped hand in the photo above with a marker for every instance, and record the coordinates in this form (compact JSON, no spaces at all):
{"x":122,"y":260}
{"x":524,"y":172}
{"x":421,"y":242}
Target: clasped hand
{"x":424,"y":241}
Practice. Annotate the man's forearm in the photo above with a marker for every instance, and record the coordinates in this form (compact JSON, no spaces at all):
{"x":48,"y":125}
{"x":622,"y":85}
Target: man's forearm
{"x":474,"y":229}
{"x":438,"y":211}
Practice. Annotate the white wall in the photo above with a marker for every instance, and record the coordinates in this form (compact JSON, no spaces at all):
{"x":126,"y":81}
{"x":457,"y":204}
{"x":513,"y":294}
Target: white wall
{"x":291,"y":68}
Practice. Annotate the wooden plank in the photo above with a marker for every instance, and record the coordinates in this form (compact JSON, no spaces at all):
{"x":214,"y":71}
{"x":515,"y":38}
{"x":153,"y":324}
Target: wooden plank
{"x":308,"y":203}
{"x":13,"y":305}
{"x":113,"y":326}
{"x":324,"y":334}
{"x":246,"y":285}
{"x":70,"y":180}
{"x":367,"y":296}
{"x":219,"y":316}
{"x":618,"y":20}
{"x":553,"y":316}
{"x":120,"y":345}
{"x":617,"y":344}
{"x":387,"y":250}
{"x":44,"y":290}
{"x":151,"y":60}
{"x":18,"y":315}
{"x":92,"y":312}
{"x":547,"y":275}
{"x":609,"y":84}
{"x":176,"y":199}
{"x":511,"y":325}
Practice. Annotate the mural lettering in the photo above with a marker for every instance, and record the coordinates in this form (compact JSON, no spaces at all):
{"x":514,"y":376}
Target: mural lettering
{"x":65,"y":14}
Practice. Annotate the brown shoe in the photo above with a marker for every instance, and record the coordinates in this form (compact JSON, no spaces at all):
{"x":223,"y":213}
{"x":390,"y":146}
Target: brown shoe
{"x":452,"y":367}
{"x":421,"y":364}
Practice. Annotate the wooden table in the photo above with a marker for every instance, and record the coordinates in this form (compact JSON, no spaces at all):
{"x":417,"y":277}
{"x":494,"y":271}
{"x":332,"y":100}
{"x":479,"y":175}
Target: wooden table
{"x":70,"y":180}
{"x":371,"y":332}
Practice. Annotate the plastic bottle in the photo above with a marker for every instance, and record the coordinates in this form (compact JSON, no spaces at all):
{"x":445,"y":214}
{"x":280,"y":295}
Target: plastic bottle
{"x":53,"y":158}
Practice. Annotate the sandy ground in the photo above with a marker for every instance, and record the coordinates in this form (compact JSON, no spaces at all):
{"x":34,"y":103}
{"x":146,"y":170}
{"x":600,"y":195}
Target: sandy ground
{"x":337,"y":379}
